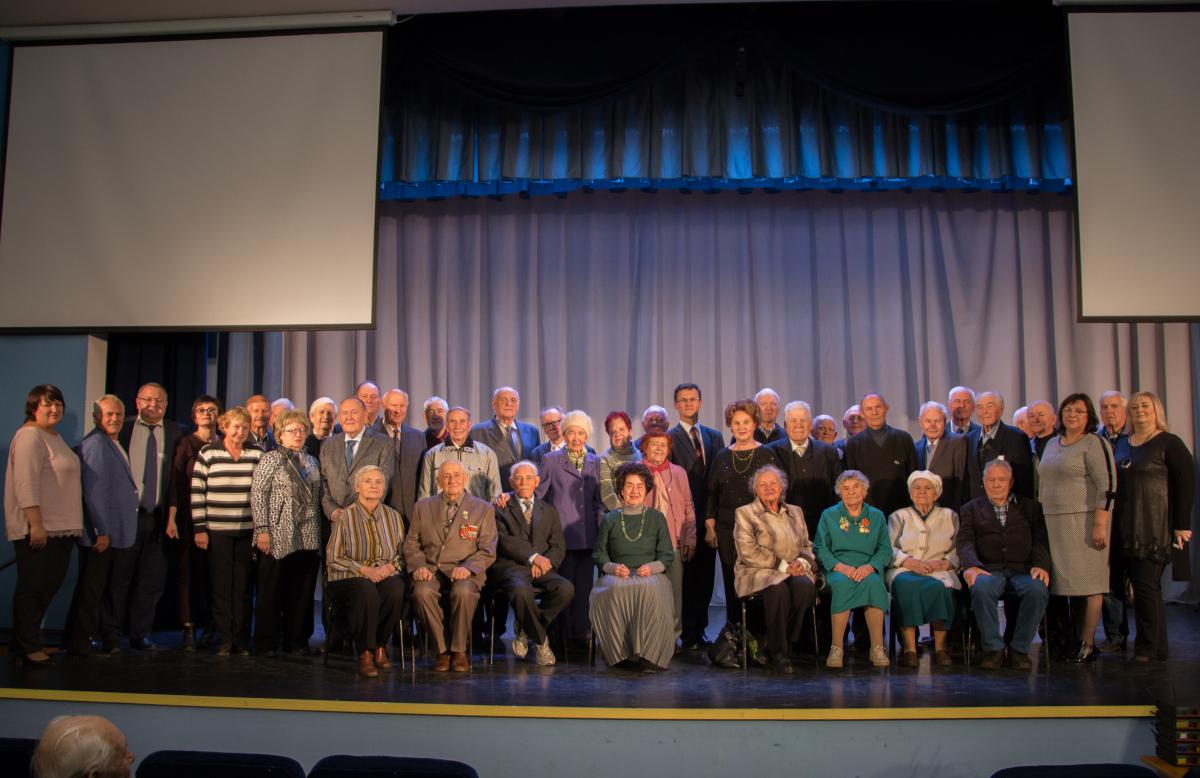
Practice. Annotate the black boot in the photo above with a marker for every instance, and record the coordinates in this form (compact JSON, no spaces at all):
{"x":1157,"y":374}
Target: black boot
{"x":189,"y":637}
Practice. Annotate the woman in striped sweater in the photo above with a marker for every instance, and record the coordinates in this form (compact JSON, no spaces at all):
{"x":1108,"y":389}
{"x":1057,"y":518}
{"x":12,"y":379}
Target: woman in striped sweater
{"x":223,"y":524}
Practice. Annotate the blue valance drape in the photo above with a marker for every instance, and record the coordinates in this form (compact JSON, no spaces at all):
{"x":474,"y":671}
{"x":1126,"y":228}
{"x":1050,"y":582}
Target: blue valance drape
{"x":838,"y":96}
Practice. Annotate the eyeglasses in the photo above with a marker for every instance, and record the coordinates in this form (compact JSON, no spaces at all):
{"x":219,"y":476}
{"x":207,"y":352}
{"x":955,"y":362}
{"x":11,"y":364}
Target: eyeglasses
{"x":294,"y":431}
{"x":152,"y":400}
{"x":548,"y":424}
{"x":206,"y":411}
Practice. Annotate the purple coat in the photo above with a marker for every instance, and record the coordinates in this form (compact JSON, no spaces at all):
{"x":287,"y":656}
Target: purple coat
{"x":575,"y":495}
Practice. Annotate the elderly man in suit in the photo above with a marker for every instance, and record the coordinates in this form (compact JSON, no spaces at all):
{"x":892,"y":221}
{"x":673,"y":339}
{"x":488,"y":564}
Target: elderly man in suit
{"x":408,"y":446}
{"x":884,"y":454}
{"x":993,"y":439}
{"x":767,"y":431}
{"x":434,"y":409}
{"x":961,"y":400}
{"x":478,"y":459}
{"x":139,"y":572}
{"x":1002,"y":546}
{"x":811,"y":466}
{"x":110,"y":518}
{"x":261,"y":436}
{"x":693,"y":447}
{"x":551,"y":420}
{"x":825,"y":428}
{"x":450,"y":544}
{"x":369,"y":393}
{"x":530,"y":549}
{"x":511,"y":440}
{"x":344,"y":453}
{"x":943,"y":453}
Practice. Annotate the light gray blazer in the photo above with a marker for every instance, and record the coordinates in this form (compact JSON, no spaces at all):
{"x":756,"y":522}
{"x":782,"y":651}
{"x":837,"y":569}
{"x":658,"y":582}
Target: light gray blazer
{"x":336,"y":480}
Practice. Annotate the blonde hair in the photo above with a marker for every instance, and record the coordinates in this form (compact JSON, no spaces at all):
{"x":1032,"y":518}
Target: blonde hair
{"x":236,"y":413}
{"x":1160,"y":413}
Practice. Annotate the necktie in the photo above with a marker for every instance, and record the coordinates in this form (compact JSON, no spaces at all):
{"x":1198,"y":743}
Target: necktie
{"x":929,"y":451}
{"x":349,"y":454}
{"x":150,"y":473}
{"x":451,"y":512}
{"x":696,"y":444}
{"x":527,"y":509}
{"x":514,"y":442}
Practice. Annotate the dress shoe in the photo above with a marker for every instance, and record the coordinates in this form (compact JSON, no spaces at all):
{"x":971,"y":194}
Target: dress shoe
{"x":780,"y":664}
{"x":366,"y":665}
{"x":1019,"y":661}
{"x":381,"y":658}
{"x":224,"y":649}
{"x":241,"y":651}
{"x":644,"y":665}
{"x":459,"y":662}
{"x":879,"y":656}
{"x":1112,"y":646}
{"x":908,"y":659}
{"x":992,"y":660}
{"x":1083,"y":654}
{"x":696,"y":644}
{"x":542,"y":653}
{"x":34,"y":658}
{"x":520,"y":645}
{"x":1142,"y":659}
{"x":835,"y":658}
{"x":442,"y":665}
{"x":143,"y":644}
{"x":942,"y":658}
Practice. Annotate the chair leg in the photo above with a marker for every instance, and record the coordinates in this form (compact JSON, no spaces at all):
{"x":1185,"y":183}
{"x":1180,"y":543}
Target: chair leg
{"x":816,"y":637}
{"x":492,"y":637}
{"x":745,"y":661}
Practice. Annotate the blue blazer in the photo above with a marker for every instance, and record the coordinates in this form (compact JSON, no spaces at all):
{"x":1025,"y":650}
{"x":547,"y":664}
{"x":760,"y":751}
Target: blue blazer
{"x":575,"y":495}
{"x":110,"y":499}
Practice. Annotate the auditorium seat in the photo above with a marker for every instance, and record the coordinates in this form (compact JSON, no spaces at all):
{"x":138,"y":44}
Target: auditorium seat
{"x":343,"y":766}
{"x":202,"y":764}
{"x":15,"y":754}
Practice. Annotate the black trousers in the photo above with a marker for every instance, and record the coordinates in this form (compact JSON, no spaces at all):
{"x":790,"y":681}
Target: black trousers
{"x":283,"y":596}
{"x":192,"y":579}
{"x":229,"y":568}
{"x":579,"y":568}
{"x":698,"y":579}
{"x":83,"y":619}
{"x":135,"y":583}
{"x":728,"y":552}
{"x":522,"y":590}
{"x":784,"y":610}
{"x":372,"y":609}
{"x":1115,"y":612}
{"x":1149,"y":615}
{"x":40,"y":573}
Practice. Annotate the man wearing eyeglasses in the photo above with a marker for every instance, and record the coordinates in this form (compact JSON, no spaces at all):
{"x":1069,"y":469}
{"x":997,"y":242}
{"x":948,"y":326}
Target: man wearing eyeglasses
{"x":551,"y":419}
{"x":138,"y":572}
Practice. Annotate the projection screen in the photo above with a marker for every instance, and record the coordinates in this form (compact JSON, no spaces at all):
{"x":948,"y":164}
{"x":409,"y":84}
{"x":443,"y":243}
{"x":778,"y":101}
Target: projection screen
{"x":212,"y":183}
{"x":1136,"y":84}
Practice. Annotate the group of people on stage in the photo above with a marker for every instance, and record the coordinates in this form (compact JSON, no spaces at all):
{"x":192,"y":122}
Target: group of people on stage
{"x":617,"y":547}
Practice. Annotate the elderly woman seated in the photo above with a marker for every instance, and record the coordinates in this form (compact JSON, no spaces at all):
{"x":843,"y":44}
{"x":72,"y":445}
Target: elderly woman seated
{"x":854,"y":550}
{"x":775,"y":560}
{"x":362,"y":564}
{"x":632,"y":606}
{"x":924,"y":572}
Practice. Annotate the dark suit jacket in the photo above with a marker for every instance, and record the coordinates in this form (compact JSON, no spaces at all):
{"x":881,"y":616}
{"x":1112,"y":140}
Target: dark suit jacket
{"x":886,"y":466}
{"x":1010,"y":444}
{"x":489,"y":434}
{"x":811,"y":479}
{"x":406,"y":455}
{"x":950,"y":463}
{"x":683,"y":453}
{"x":172,"y":432}
{"x":337,"y":482}
{"x":542,"y":449}
{"x":1020,"y":544}
{"x":518,"y":540}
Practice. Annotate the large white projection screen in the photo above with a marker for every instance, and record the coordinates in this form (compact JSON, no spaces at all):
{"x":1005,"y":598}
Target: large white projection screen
{"x":223,"y":183}
{"x":1136,"y":84}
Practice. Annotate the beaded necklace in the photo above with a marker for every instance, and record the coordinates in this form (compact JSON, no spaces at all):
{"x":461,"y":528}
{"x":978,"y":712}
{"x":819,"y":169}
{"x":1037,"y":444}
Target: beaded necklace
{"x":641,"y":526}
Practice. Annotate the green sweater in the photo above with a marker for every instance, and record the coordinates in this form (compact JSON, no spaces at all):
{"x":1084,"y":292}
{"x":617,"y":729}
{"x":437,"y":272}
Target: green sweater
{"x":628,"y":547}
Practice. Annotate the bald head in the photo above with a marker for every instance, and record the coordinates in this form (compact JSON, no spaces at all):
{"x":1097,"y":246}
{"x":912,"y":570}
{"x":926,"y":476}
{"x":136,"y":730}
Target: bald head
{"x":81,"y":746}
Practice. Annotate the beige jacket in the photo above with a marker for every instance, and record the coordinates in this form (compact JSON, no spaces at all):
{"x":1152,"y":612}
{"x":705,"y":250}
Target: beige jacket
{"x":470,"y":542}
{"x":931,"y":540}
{"x":766,"y":544}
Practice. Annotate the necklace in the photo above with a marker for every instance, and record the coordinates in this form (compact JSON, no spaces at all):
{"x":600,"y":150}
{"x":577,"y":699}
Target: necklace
{"x":641,"y":527}
{"x":744,"y":461}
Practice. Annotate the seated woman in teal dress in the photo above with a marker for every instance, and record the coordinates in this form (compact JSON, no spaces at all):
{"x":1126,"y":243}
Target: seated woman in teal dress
{"x":854,"y":549}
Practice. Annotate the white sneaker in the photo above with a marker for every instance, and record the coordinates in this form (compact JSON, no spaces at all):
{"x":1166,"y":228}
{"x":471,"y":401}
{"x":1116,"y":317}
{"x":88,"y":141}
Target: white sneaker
{"x":543,"y":654}
{"x":879,"y":656}
{"x":834,"y":659}
{"x":520,"y":645}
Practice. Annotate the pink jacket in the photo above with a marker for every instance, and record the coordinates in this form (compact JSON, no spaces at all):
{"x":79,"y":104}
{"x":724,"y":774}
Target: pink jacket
{"x":676,"y":504}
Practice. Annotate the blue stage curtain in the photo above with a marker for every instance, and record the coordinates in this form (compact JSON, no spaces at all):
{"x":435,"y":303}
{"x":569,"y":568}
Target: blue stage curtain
{"x":809,"y":96}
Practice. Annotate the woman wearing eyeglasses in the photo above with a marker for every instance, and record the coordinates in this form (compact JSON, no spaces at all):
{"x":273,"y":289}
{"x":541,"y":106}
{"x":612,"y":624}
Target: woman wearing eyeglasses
{"x":193,"y":569}
{"x":285,"y":498}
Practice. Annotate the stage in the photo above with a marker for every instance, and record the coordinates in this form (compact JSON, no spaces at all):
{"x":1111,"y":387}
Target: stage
{"x":858,"y":721}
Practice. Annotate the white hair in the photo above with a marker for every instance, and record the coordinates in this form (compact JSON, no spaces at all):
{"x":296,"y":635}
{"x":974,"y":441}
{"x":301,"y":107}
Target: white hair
{"x":797,"y":405}
{"x":363,"y":471}
{"x":970,"y":393}
{"x":500,"y":389}
{"x":1114,"y":393}
{"x":317,"y":403}
{"x":512,"y":471}
{"x":933,"y":405}
{"x":766,"y":390}
{"x":435,"y":400}
{"x":74,"y":746}
{"x":998,"y":396}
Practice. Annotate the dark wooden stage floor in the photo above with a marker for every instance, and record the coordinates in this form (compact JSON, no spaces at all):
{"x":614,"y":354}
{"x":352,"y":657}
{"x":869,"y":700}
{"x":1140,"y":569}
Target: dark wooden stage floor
{"x":1111,"y":686}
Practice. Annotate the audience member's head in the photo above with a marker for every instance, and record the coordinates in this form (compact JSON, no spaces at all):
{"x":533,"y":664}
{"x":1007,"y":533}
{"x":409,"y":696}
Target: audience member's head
{"x":81,"y":747}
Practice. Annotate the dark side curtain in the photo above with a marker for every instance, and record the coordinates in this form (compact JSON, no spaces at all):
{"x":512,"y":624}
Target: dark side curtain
{"x":838,"y":96}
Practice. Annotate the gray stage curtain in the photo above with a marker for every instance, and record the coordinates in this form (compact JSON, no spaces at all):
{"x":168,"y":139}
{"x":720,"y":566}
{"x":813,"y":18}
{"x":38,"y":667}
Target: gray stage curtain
{"x":606,"y":301}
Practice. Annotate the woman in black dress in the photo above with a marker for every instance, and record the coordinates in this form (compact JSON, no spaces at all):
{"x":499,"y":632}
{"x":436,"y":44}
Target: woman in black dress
{"x":729,"y":489}
{"x":1154,"y":509}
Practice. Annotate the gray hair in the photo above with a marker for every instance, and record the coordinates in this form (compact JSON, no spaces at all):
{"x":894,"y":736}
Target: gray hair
{"x":1001,"y":463}
{"x":651,"y":409}
{"x":797,"y":405}
{"x":818,"y":419}
{"x":783,"y":481}
{"x":767,"y":390}
{"x":934,"y":405}
{"x":317,"y":403}
{"x":846,"y":475}
{"x":512,"y":471}
{"x":97,"y":412}
{"x":435,"y":400}
{"x":287,"y":404}
{"x":73,"y":746}
{"x":995,"y":394}
{"x":1114,"y":393}
{"x":970,"y":393}
{"x":500,"y":389}
{"x":365,"y":469}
